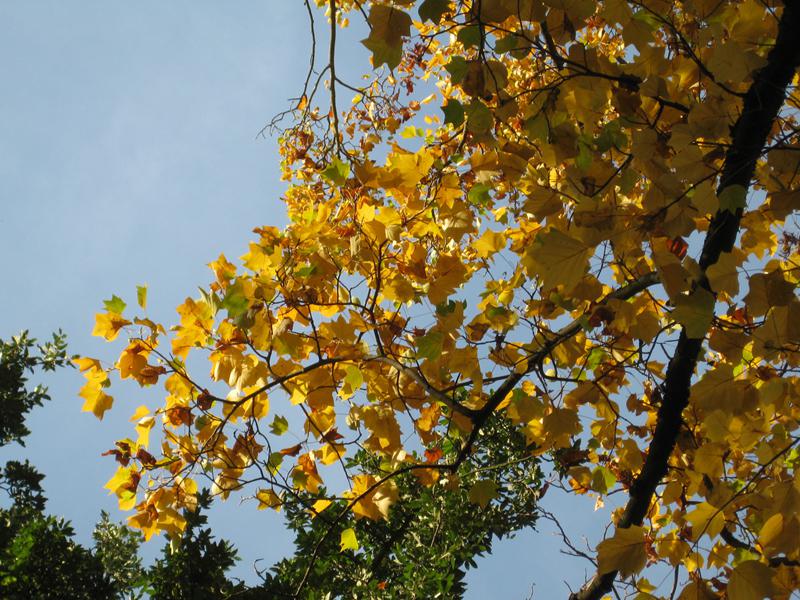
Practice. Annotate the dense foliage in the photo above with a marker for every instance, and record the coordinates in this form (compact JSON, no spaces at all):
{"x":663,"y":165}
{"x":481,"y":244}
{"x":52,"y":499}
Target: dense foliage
{"x":425,"y":546}
{"x":576,"y":216}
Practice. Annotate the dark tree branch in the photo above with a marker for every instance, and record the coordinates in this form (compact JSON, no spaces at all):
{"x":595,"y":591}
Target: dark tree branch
{"x":762,"y":103}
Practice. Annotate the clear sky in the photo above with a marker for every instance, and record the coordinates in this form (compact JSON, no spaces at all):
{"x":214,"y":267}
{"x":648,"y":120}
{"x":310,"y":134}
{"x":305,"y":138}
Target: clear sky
{"x":128,"y":155}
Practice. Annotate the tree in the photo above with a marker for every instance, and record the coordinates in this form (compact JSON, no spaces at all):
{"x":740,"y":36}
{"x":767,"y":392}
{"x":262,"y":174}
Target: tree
{"x":422,"y":550}
{"x":19,"y":356}
{"x":594,"y":240}
{"x":38,"y":556}
{"x":195,"y":568}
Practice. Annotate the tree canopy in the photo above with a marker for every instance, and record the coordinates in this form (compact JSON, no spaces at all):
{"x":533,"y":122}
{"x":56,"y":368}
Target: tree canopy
{"x":574,"y":217}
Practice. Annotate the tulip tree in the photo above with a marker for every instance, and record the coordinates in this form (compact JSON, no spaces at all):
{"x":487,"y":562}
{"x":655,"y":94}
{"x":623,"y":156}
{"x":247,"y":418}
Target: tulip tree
{"x":577,"y":216}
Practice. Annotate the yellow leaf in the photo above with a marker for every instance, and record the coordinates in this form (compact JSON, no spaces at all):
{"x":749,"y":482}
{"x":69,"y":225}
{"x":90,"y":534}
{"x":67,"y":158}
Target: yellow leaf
{"x":108,"y":325}
{"x":705,"y":518}
{"x":96,"y":400}
{"x":140,"y":412}
{"x":724,"y":275}
{"x":625,"y":552}
{"x":489,"y":243}
{"x":84,"y":363}
{"x":750,"y":580}
{"x":770,"y":530}
{"x":348,"y":540}
{"x":708,"y":459}
{"x":143,"y":428}
{"x":267,"y":498}
{"x":124,"y":484}
{"x":697,"y":590}
{"x":319,"y":506}
{"x":372,"y":503}
{"x":557,"y":259}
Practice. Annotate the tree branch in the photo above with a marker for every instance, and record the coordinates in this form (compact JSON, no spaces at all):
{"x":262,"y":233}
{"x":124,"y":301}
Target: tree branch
{"x":762,"y":103}
{"x":535,"y":359}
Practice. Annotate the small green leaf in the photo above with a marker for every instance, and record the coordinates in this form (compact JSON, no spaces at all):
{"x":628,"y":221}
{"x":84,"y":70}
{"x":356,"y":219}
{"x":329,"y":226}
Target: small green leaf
{"x":235,"y":301}
{"x":141,"y":296}
{"x":279,"y":425}
{"x":479,"y":194}
{"x":306,"y":271}
{"x":732,"y":198}
{"x":695,"y":312}
{"x":479,"y":117}
{"x":596,"y":357}
{"x":482,"y":492}
{"x":457,"y":67}
{"x":411,"y":131}
{"x":446,"y":309}
{"x":430,"y":345}
{"x":506,"y":44}
{"x":470,"y":36}
{"x":115,"y":305}
{"x":354,"y":378}
{"x":648,"y":18}
{"x":584,"y":159}
{"x":602,"y":480}
{"x":211,"y":299}
{"x":432,"y":10}
{"x":497,"y":311}
{"x":337,"y":172}
{"x":538,"y":128}
{"x":453,"y":113}
{"x":348,"y":540}
{"x":274,"y":462}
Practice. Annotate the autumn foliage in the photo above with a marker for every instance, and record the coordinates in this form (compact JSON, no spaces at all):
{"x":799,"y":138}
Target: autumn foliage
{"x":574,"y":215}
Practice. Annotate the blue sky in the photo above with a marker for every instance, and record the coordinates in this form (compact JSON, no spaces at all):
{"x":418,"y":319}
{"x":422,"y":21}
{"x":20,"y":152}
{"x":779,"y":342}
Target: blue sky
{"x":129,"y":155}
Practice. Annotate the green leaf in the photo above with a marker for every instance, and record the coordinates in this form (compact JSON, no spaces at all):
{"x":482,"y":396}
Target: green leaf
{"x":584,"y":159}
{"x":432,"y":10}
{"x":337,"y":172}
{"x":732,"y":198}
{"x":235,"y":301}
{"x":479,"y":194}
{"x":457,"y":67}
{"x":479,"y":117}
{"x":612,"y":136}
{"x":430,"y":345}
{"x":482,"y":492}
{"x":387,"y":28}
{"x":306,"y":271}
{"x":279,"y":425}
{"x":447,"y":309}
{"x":538,"y":128}
{"x":115,"y":305}
{"x":274,"y":463}
{"x":348,"y":540}
{"x":506,"y":44}
{"x":470,"y":36}
{"x":354,"y":377}
{"x":648,"y":18}
{"x":497,"y":311}
{"x":602,"y":480}
{"x":411,"y":131}
{"x":596,"y":357}
{"x":141,"y":296}
{"x":695,"y":312}
{"x":211,"y":299}
{"x":453,"y":113}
